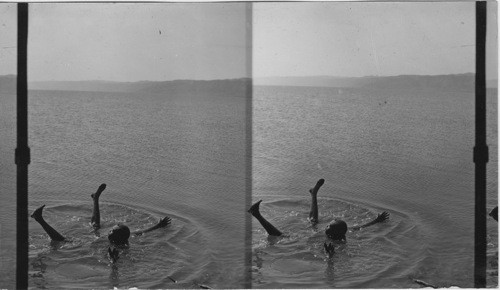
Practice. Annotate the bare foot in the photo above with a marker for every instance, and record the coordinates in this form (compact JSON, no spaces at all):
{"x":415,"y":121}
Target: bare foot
{"x":37,"y":214}
{"x":101,"y":188}
{"x":254,"y":209}
{"x":315,"y":189}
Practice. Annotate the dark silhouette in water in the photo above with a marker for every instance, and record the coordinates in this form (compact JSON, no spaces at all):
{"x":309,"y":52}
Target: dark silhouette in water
{"x":313,"y":214}
{"x":335,"y":230}
{"x":330,"y":249}
{"x":425,"y":284}
{"x":270,"y":229}
{"x":118,"y":235}
{"x":494,"y":213}
{"x":53,"y":234}
{"x":96,"y":216}
{"x":113,"y":254}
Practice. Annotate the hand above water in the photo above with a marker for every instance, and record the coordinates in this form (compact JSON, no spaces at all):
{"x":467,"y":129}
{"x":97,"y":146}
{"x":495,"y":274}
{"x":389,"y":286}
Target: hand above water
{"x":329,"y":249}
{"x":382,"y":217}
{"x":164,"y":222}
{"x":113,"y":254}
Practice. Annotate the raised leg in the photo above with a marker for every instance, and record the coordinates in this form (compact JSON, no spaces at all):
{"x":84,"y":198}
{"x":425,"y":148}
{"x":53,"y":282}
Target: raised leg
{"x":96,"y":215}
{"x":313,"y":214}
{"x":270,"y":229}
{"x":53,"y":234}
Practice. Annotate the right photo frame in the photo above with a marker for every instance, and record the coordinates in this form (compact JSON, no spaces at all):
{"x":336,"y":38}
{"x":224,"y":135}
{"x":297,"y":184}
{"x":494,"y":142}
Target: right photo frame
{"x":363,"y":129}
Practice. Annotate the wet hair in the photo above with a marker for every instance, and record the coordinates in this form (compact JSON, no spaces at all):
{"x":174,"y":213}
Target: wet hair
{"x":119,"y":234}
{"x":336,"y":230}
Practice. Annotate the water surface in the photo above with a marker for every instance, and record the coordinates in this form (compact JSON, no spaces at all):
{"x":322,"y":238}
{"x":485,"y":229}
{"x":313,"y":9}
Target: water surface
{"x":177,"y":155}
{"x":406,"y":152}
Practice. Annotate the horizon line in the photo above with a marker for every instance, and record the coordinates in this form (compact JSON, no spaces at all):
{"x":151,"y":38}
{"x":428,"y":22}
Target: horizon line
{"x":253,"y":78}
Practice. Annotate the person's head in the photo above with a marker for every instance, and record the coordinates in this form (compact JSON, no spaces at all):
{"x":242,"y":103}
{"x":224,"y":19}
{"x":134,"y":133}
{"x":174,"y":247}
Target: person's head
{"x":336,"y":230}
{"x":119,"y":234}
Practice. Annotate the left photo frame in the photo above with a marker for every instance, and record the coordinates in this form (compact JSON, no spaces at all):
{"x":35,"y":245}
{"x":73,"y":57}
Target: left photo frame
{"x":139,"y":126}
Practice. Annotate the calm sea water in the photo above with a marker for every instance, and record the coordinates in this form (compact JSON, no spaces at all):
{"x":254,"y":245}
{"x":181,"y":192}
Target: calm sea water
{"x":409,"y":153}
{"x":181,"y":156}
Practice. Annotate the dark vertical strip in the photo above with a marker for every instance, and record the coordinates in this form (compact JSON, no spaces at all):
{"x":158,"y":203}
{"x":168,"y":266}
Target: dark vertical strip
{"x":480,"y":150}
{"x":249,"y":112}
{"x":22,"y":153}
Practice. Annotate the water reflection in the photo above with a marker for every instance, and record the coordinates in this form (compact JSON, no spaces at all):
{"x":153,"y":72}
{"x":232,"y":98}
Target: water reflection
{"x":329,"y":272}
{"x":114,"y":276}
{"x":37,"y":274}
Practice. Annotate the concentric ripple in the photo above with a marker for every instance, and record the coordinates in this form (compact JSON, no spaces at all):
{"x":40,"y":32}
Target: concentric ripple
{"x":298,"y":259}
{"x":147,"y":262}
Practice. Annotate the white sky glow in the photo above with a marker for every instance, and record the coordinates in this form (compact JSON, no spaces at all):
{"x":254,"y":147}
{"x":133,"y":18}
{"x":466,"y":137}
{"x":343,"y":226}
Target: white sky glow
{"x":166,"y":41}
{"x":360,"y":38}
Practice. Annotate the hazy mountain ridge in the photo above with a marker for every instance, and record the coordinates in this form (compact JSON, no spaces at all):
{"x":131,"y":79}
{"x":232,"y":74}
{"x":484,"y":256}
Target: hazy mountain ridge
{"x":462,"y":82}
{"x":195,"y":87}
{"x":98,"y":86}
{"x":457,"y":82}
{"x":141,"y":86}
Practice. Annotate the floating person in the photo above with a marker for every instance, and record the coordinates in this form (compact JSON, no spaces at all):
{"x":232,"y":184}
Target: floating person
{"x":494,"y":213}
{"x":118,"y":235}
{"x":335,"y":230}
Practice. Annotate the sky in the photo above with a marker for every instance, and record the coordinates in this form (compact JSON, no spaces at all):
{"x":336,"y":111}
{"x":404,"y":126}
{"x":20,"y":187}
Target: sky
{"x":133,"y":42}
{"x":362,"y":39}
{"x":166,"y":41}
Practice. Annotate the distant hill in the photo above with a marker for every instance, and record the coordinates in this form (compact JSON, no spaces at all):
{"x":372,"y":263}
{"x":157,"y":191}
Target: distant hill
{"x":147,"y":87}
{"x":457,"y":82}
{"x":97,"y":86}
{"x":316,"y":81}
{"x":461,"y":82}
{"x":195,"y":87}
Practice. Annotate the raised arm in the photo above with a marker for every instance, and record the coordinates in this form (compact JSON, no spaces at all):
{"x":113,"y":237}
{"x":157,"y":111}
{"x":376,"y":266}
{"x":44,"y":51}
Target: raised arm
{"x":161,"y":224}
{"x":380,"y":218}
